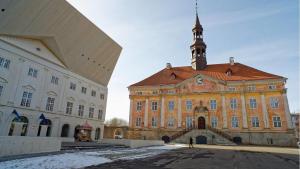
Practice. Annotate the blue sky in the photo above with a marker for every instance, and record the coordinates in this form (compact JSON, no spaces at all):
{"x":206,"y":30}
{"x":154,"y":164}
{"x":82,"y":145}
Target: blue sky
{"x":259,"y":33}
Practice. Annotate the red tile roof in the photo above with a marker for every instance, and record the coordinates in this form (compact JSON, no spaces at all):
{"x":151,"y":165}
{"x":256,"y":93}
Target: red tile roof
{"x":218,"y":71}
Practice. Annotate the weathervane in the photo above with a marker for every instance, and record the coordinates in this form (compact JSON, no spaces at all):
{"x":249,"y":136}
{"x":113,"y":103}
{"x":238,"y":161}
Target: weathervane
{"x":196,"y":7}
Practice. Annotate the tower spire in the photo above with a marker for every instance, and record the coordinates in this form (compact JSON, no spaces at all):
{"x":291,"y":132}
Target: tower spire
{"x":198,"y":46}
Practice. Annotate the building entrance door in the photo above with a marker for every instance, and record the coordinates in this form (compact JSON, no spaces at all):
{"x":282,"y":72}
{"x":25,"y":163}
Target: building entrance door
{"x":201,"y":123}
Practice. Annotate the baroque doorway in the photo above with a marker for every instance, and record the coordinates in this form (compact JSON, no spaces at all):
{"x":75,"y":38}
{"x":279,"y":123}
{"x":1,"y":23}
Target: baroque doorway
{"x":201,"y":123}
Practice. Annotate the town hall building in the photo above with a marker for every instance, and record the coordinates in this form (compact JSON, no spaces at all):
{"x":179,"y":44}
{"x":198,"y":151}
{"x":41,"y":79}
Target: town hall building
{"x":226,"y":103}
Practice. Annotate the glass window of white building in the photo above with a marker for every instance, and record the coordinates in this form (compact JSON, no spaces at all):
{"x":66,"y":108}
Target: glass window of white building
{"x":32,"y":72}
{"x":80,"y":110}
{"x":1,"y":90}
{"x":4,"y":63}
{"x":93,"y":93}
{"x":253,"y":103}
{"x":276,"y":121}
{"x":26,"y":99}
{"x":50,"y":104}
{"x":234,"y":122}
{"x":83,"y":90}
{"x":189,"y":105}
{"x":72,"y":86}
{"x":255,"y":122}
{"x":100,"y":114}
{"x":171,"y":105}
{"x":233,"y":103}
{"x":91,"y":112}
{"x":69,"y":108}
{"x":102,"y":96}
{"x":213,"y":104}
{"x":54,"y":80}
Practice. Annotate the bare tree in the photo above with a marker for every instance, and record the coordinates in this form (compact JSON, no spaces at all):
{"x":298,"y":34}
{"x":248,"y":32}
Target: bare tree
{"x":116,"y":122}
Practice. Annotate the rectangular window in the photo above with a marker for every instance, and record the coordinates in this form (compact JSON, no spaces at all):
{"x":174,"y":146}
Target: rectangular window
{"x":253,"y":103}
{"x":154,"y":106}
{"x":83,"y":90}
{"x":32,"y":72}
{"x":80,"y":110}
{"x":233,"y":103}
{"x":272,"y":87}
{"x":102,"y":96}
{"x":100,"y":114}
{"x":171,"y":105}
{"x":171,"y":122}
{"x":54,"y":80}
{"x":231,"y":89}
{"x":91,"y":112}
{"x":50,"y":104}
{"x":72,"y":86}
{"x":276,"y":121}
{"x":139,"y":93}
{"x":69,"y":108}
{"x":1,"y":89}
{"x":138,"y":122}
{"x":274,"y":102}
{"x":138,"y":106}
{"x":251,"y":88}
{"x":4,"y":63}
{"x":26,"y":99}
{"x":154,"y":123}
{"x":255,"y":122}
{"x":214,"y":122}
{"x":93,"y":93}
{"x":188,"y":105}
{"x":234,"y":122}
{"x":189,"y":122}
{"x":213,"y":104}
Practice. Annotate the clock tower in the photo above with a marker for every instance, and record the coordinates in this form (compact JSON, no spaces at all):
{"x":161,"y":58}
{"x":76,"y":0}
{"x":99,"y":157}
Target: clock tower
{"x":198,"y":47}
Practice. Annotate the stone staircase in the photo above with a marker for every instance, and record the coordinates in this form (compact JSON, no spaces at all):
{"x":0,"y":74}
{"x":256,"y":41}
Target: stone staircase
{"x":213,"y":136}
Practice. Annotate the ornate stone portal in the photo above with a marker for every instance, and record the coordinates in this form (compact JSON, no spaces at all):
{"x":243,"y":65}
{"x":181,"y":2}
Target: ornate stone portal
{"x":201,"y":115}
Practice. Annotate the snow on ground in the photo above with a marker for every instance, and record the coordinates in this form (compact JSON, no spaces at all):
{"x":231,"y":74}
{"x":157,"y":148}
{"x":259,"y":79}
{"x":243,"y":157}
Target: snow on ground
{"x":82,"y":159}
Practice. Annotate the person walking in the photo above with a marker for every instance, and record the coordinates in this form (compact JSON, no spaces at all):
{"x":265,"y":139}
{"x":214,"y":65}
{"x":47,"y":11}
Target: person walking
{"x":191,"y":143}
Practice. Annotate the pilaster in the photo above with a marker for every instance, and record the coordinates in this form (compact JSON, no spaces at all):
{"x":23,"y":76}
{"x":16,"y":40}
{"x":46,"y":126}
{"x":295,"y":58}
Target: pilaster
{"x":265,"y":112}
{"x":224,"y":113}
{"x":244,"y":113}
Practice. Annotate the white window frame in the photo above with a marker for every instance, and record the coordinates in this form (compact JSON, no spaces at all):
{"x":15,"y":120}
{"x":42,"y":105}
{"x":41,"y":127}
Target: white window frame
{"x":32,"y":72}
{"x":5,"y":63}
{"x":1,"y":89}
{"x":233,"y":103}
{"x":102,"y":96}
{"x":50,"y":104}
{"x":171,"y":122}
{"x":171,"y":105}
{"x":189,"y":122}
{"x":154,"y":122}
{"x":214,"y":122}
{"x":26,"y":99}
{"x":271,"y":86}
{"x":72,"y":86}
{"x":83,"y":90}
{"x":69,"y":108}
{"x":277,"y":122}
{"x":154,"y":105}
{"x":93,"y":93}
{"x":274,"y":102}
{"x":231,"y":89}
{"x":100,"y":114}
{"x":80,"y":110}
{"x":54,"y":80}
{"x":251,"y":88}
{"x":189,"y":105}
{"x":139,"y":106}
{"x":91,"y":112}
{"x":252,"y":103}
{"x":138,"y":122}
{"x":255,"y":121}
{"x":234,"y":122}
{"x":213,"y":104}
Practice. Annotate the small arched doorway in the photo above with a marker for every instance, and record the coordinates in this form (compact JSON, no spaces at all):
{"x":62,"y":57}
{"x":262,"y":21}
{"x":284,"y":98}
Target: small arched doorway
{"x":166,"y":139}
{"x":20,"y":120}
{"x":201,"y":140}
{"x":76,"y":132}
{"x":65,"y":130}
{"x":201,"y":123}
{"x":118,"y":134}
{"x":45,"y":123}
{"x":97,"y":133}
{"x":237,"y":140}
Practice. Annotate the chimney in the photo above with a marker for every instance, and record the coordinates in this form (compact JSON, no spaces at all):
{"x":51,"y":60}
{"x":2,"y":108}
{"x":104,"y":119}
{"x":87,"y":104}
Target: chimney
{"x":168,"y":66}
{"x":231,"y":60}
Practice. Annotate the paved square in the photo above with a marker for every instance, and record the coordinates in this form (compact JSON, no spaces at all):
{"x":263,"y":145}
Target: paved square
{"x":214,"y":157}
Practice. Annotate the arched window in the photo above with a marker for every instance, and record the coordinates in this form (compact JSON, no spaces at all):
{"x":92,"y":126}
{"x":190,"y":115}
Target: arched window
{"x":45,"y":123}
{"x":21,"y":120}
{"x":65,"y":130}
{"x":97,"y":133}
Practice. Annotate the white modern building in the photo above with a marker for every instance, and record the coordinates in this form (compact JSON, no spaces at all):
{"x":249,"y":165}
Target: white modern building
{"x":54,"y":69}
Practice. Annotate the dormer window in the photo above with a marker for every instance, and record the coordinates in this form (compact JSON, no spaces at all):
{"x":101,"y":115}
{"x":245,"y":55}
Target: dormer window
{"x":229,"y":72}
{"x":173,"y":76}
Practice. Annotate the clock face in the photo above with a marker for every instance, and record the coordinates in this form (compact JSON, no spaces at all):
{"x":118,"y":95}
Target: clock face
{"x":199,"y":80}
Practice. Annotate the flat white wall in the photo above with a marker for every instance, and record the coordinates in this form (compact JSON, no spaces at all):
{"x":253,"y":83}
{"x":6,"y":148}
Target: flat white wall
{"x":133,"y":143}
{"x":17,"y":145}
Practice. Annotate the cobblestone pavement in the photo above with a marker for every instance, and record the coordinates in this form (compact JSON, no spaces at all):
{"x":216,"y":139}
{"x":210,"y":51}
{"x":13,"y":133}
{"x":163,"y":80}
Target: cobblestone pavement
{"x":210,"y":157}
